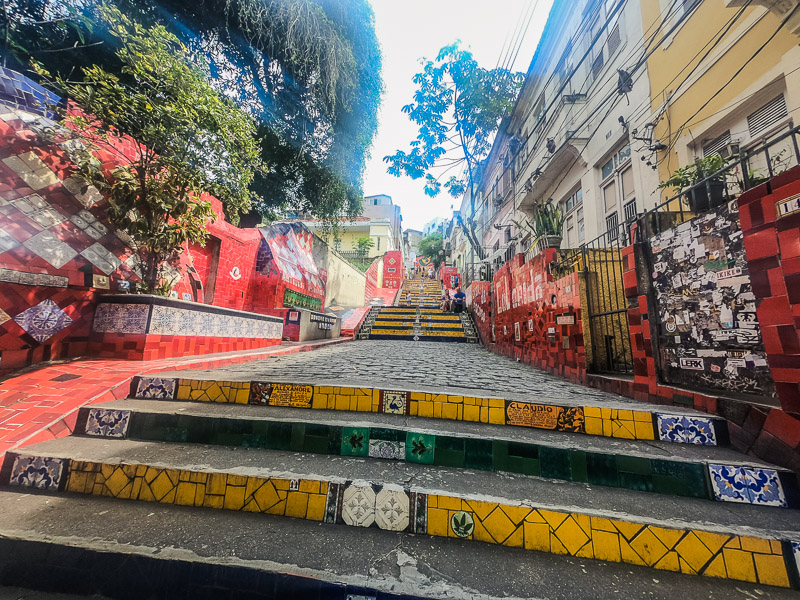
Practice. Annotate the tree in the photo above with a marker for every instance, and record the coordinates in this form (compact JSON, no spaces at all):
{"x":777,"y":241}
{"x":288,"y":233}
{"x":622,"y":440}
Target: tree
{"x":364,"y":245}
{"x":185,"y":140}
{"x":432,"y":246}
{"x":458,"y":106}
{"x":308,"y":71}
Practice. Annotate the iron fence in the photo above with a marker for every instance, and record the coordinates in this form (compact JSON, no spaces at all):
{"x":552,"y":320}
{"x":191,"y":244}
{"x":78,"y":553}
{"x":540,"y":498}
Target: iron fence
{"x":739,"y":174}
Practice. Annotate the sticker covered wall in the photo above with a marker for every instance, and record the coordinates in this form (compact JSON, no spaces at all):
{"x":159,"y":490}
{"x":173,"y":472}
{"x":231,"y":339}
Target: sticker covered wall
{"x":709,"y":333}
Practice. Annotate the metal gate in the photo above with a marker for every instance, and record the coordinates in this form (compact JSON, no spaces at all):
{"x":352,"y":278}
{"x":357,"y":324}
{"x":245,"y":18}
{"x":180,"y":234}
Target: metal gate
{"x":606,"y":334}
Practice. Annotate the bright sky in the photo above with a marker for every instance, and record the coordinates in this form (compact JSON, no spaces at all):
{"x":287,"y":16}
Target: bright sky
{"x":412,"y":29}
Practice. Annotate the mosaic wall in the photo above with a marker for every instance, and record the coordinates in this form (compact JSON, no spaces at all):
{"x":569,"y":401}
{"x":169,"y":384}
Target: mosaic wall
{"x":731,"y":483}
{"x":139,"y":330}
{"x":538,"y":319}
{"x":394,"y":270}
{"x":709,"y":333}
{"x":393,"y":508}
{"x":286,"y":250}
{"x":590,"y":420}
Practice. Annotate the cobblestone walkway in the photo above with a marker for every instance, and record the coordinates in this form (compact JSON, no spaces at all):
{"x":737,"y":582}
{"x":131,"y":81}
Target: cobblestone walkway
{"x":413,"y":365}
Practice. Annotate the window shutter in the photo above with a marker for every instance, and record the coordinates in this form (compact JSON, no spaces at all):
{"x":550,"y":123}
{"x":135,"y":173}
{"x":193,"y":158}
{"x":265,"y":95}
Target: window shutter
{"x":614,"y":40}
{"x":766,"y":116}
{"x":714,"y":146}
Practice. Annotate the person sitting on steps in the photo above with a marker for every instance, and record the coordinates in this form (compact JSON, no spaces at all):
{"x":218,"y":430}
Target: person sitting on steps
{"x":445,"y":302}
{"x":459,"y":300}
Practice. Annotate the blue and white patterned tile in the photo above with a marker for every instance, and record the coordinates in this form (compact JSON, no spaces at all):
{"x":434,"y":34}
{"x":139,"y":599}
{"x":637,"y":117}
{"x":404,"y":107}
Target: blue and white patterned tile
{"x":103,"y":422}
{"x":729,"y":483}
{"x":387,"y":449}
{"x":121,"y":318}
{"x":156,"y":388}
{"x":747,"y":485}
{"x":43,"y":320}
{"x":700,"y":431}
{"x":686,"y":430}
{"x":764,"y":487}
{"x":37,"y":472}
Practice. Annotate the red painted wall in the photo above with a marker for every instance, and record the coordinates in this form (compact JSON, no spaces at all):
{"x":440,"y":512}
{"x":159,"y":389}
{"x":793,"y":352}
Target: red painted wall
{"x":394,"y":271}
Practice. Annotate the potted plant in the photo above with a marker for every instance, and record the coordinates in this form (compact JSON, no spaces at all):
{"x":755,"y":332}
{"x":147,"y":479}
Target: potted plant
{"x":691,"y":180}
{"x":548,"y":225}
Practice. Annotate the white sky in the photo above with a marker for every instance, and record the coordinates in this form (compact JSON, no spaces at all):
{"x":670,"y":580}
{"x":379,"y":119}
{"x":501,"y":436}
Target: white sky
{"x":412,"y":29}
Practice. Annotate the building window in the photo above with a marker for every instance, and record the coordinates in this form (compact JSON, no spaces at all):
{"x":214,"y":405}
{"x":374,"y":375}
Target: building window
{"x":614,"y":41}
{"x":618,"y":188}
{"x":612,"y":226}
{"x":337,"y":245}
{"x":573,"y":209}
{"x":767,"y":116}
{"x":378,"y":246}
{"x":630,"y":211}
{"x":581,"y":230}
{"x":597,"y":65}
{"x":714,"y":146}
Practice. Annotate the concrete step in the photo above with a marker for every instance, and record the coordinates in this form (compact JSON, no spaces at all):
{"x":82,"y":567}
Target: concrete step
{"x":594,"y":415}
{"x":96,"y":545}
{"x":659,"y":467}
{"x":686,"y":535}
{"x":424,"y":336}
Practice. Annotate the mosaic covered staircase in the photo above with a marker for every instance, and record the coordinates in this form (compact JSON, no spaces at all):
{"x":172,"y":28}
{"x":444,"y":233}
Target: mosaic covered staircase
{"x":417,"y":324}
{"x":593,"y":479}
{"x":419,"y":292}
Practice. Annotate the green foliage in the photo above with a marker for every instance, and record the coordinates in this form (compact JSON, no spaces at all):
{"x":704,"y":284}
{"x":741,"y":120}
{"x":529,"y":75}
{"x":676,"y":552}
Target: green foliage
{"x":458,"y":106}
{"x":364,"y":245}
{"x":308,"y":71}
{"x":685,"y":177}
{"x":548,"y":219}
{"x":432,"y":246}
{"x":186,"y":140}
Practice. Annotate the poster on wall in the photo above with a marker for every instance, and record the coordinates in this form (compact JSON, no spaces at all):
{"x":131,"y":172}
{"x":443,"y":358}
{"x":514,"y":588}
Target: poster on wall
{"x":286,"y":250}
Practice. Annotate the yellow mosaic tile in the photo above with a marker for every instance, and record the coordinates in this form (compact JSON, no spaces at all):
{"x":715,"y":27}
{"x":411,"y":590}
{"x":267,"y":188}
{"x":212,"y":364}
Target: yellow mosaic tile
{"x":237,"y":392}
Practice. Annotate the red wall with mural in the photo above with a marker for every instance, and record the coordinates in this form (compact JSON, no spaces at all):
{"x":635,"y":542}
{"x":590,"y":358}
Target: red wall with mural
{"x":394,"y":271}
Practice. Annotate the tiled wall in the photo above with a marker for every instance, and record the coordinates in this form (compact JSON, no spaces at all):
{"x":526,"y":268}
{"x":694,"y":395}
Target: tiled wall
{"x":538,"y":319}
{"x":394,"y":270}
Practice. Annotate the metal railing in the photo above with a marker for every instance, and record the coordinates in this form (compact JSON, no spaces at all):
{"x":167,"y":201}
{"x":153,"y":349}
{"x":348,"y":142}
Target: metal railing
{"x":742,"y":173}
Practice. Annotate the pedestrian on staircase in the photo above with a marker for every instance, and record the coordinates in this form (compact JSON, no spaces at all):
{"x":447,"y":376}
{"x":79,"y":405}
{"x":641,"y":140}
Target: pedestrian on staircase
{"x":459,"y":300}
{"x":446,"y":301}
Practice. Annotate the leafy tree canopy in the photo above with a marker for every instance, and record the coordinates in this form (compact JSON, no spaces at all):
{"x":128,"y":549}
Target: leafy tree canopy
{"x":186,"y":140}
{"x":432,"y":246}
{"x":307,"y":70}
{"x":458,"y":106}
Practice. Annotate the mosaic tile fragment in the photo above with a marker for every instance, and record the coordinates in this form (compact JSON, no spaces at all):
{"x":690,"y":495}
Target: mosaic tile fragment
{"x":38,"y":472}
{"x":103,"y":422}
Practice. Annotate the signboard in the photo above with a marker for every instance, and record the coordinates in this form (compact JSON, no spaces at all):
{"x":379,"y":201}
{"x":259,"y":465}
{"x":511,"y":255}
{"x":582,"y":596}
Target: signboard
{"x":541,"y":416}
{"x":728,"y":273}
{"x":565,"y":320}
{"x":282,"y":394}
{"x":789,"y":206}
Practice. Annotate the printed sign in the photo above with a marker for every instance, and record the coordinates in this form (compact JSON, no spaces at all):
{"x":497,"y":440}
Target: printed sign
{"x":695,"y":364}
{"x":541,"y":416}
{"x":281,"y":394}
{"x":565,"y":320}
{"x":789,"y":206}
{"x":516,"y":332}
{"x":293,"y":316}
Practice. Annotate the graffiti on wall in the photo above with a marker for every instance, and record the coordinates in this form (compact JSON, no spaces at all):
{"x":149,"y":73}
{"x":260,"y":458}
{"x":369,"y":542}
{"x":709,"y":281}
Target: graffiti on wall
{"x":287,"y":250}
{"x":708,"y":328}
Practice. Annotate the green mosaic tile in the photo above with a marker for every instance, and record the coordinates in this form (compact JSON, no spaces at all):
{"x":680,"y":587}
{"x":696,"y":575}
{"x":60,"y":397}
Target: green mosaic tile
{"x":316,"y":444}
{"x":478,"y":454}
{"x":555,"y":463}
{"x":448,"y":458}
{"x":634,"y":464}
{"x":601,"y":469}
{"x":279,"y":436}
{"x":390,"y":435}
{"x":254,"y":440}
{"x":355,"y":441}
{"x":523,"y":450}
{"x":225,"y":438}
{"x":177,"y":434}
{"x":420,"y":448}
{"x":335,"y":440}
{"x":500,"y":455}
{"x":577,"y":460}
{"x":524,"y":466}
{"x":298,"y":437}
{"x":674,"y":487}
{"x":636,"y":481}
{"x":446,"y":442}
{"x":680,"y":478}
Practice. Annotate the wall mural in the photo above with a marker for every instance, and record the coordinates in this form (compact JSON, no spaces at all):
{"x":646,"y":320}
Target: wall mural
{"x":287,"y":251}
{"x":708,"y":330}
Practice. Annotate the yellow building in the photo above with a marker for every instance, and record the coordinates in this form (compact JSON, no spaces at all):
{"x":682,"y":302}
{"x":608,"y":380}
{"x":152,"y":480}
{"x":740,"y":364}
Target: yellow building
{"x":713,"y":89}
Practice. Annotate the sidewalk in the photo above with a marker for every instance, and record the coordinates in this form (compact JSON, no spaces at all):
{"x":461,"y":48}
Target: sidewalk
{"x":42,"y":402}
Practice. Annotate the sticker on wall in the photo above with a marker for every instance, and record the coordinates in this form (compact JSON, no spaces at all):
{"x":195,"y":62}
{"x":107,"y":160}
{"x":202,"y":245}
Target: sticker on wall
{"x":187,"y":296}
{"x":393,"y":402}
{"x":565,"y":320}
{"x":235,"y":274}
{"x":530,"y":324}
{"x":517,"y":335}
{"x":101,"y":282}
{"x":695,"y":364}
{"x":281,"y":394}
